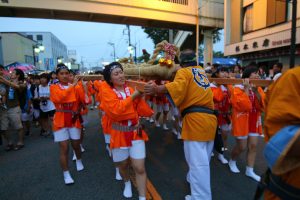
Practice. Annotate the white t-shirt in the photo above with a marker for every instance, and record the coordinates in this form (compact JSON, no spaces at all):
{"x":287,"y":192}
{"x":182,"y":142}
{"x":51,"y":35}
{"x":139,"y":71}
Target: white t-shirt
{"x":45,"y":92}
{"x":277,"y":76}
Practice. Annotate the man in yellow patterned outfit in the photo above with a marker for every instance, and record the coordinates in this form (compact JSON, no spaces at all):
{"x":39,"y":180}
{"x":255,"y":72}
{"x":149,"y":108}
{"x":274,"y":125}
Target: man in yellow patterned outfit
{"x":191,"y":93}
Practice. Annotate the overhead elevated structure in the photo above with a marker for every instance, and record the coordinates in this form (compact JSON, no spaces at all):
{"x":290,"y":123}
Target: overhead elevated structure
{"x":211,"y":17}
{"x":155,"y":13}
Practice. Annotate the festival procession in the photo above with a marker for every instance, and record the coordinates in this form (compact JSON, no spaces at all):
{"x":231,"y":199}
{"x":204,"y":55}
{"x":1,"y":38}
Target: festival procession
{"x":193,"y":112}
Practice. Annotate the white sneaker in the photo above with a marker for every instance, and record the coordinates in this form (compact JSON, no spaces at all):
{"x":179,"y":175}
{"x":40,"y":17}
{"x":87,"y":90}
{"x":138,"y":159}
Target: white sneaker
{"x":212,"y":154}
{"x":142,"y":198}
{"x":250,"y":173}
{"x":79,"y":165}
{"x":157,"y":124}
{"x":173,"y":118}
{"x":151,"y":120}
{"x":165,"y":127}
{"x":232,"y":166}
{"x":127,"y":193}
{"x":67,"y":178}
{"x":188,"y":197}
{"x":118,"y":175}
{"x":174,"y":131}
{"x":82,"y":149}
{"x":74,"y":156}
{"x":222,"y":159}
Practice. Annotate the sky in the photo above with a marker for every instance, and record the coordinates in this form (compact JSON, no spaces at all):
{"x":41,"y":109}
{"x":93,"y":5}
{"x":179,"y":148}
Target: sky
{"x":90,"y":40}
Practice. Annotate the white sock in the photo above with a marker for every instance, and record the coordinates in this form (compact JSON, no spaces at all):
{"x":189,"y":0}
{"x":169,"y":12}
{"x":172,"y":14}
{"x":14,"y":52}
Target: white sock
{"x":127,"y":190}
{"x":79,"y":165}
{"x":222,"y":159}
{"x":178,"y":136}
{"x":232,"y":166}
{"x":67,"y":178}
{"x":157,"y":124}
{"x":165,"y":127}
{"x":118,"y":175}
{"x":174,"y":131}
{"x":142,"y":198}
{"x":108,"y":150}
{"x":250,"y":173}
{"x":82,"y":149}
{"x":74,"y":156}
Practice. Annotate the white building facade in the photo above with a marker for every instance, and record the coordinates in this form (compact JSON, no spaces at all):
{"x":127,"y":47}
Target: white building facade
{"x":55,"y":49}
{"x":260,"y":31}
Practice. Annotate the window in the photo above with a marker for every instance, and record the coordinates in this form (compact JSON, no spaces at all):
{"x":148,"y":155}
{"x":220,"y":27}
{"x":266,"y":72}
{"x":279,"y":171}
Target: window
{"x":29,"y":59}
{"x":183,"y":2}
{"x":30,"y":37}
{"x":248,"y":19}
{"x":277,"y":12}
{"x":39,"y":37}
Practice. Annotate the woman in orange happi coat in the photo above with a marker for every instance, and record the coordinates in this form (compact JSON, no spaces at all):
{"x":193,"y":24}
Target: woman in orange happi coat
{"x":67,"y":121}
{"x":83,"y":110}
{"x":123,"y":106}
{"x":106,"y":124}
{"x":247,"y":104}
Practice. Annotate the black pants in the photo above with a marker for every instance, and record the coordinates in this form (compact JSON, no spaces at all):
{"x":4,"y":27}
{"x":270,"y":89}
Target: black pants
{"x":219,"y":145}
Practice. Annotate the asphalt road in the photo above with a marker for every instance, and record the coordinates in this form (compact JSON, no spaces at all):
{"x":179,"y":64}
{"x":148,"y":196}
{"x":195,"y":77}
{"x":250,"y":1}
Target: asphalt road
{"x":34,"y":172}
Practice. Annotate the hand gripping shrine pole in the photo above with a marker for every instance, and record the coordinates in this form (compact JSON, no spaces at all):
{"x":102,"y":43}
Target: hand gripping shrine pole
{"x":133,"y":81}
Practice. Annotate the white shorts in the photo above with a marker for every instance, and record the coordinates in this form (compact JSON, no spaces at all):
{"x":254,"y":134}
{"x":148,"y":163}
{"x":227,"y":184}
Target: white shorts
{"x":107,"y":138}
{"x":136,"y":151}
{"x":226,"y":127}
{"x":253,"y":134}
{"x":36,"y":113}
{"x":25,"y":117}
{"x":66,"y":134}
{"x":85,"y":120}
{"x":249,"y":135}
{"x":161,"y":108}
{"x":175,"y":111}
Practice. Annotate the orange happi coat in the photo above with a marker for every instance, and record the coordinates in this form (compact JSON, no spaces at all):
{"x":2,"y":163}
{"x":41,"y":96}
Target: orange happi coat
{"x":120,"y":111}
{"x":105,"y":121}
{"x":218,"y":98}
{"x":241,"y":106}
{"x":91,"y":88}
{"x":84,"y":110}
{"x":282,"y":109}
{"x":257,"y":107}
{"x":66,"y":99}
{"x":224,"y":107}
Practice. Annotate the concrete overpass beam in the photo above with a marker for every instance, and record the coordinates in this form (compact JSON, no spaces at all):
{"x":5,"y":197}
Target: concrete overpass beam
{"x":208,"y":46}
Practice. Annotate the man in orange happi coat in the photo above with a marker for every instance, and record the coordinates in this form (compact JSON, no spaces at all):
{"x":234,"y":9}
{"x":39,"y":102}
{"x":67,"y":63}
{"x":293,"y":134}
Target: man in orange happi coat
{"x":282,"y":110}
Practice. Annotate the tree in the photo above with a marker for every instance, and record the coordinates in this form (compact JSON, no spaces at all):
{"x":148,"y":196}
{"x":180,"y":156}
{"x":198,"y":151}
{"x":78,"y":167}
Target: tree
{"x":218,"y":54}
{"x":158,"y":34}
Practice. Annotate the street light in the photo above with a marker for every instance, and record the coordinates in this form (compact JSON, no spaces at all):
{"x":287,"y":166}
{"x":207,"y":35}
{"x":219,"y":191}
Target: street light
{"x":59,"y":59}
{"x":113,"y":45}
{"x":37,"y":48}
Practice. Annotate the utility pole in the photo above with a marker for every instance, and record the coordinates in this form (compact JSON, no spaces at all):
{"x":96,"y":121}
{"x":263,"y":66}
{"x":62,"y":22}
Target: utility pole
{"x":171,"y":36}
{"x":129,"y":40}
{"x":113,"y":45}
{"x":293,"y":34}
